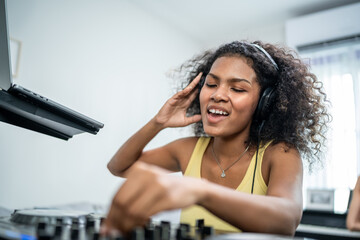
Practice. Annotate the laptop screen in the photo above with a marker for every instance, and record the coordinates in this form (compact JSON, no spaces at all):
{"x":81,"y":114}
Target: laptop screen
{"x":5,"y":64}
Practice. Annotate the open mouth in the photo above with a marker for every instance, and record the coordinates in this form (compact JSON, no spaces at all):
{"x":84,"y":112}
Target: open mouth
{"x":217,"y":112}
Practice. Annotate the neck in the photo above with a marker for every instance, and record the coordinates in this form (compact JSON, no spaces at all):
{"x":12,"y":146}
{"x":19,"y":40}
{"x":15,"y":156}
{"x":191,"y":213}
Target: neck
{"x":228,"y":149}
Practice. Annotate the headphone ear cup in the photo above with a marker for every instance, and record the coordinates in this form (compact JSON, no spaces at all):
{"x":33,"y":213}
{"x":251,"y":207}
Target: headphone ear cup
{"x":265,"y":102}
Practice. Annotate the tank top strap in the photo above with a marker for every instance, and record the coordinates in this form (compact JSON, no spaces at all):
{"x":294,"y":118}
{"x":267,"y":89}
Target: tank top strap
{"x":260,"y":187}
{"x":193,"y":168}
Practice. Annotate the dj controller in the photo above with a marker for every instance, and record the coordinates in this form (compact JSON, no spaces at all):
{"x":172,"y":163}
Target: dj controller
{"x":54,"y":224}
{"x":60,"y":224}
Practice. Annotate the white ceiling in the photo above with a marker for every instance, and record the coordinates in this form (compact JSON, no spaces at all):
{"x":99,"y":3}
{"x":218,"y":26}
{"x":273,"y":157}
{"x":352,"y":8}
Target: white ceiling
{"x":208,"y":20}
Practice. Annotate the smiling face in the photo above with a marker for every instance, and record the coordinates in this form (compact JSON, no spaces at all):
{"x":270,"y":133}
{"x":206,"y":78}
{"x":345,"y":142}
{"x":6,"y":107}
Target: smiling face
{"x":229,"y":97}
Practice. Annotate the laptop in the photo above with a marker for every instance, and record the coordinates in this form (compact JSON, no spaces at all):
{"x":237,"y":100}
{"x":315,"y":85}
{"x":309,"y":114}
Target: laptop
{"x":44,"y":103}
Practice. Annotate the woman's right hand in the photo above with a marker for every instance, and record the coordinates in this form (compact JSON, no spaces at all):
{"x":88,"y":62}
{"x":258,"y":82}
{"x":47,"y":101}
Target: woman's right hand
{"x":173,"y":113}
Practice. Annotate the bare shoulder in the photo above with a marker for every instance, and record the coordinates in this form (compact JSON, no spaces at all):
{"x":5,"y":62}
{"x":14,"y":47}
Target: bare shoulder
{"x":182,"y":150}
{"x":279,"y":156}
{"x":170,"y":156}
{"x":285,"y":171}
{"x":183,"y":145}
{"x":282,"y":151}
{"x":185,"y":141}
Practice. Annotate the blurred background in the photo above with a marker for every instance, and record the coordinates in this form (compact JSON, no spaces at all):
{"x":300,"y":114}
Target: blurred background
{"x":111,"y":61}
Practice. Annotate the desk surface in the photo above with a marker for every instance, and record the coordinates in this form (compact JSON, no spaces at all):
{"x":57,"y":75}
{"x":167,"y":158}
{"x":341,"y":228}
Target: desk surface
{"x":313,"y":231}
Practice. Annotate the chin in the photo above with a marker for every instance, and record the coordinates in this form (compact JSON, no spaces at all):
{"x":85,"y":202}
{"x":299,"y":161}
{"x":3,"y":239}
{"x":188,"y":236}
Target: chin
{"x":213,"y":132}
{"x":224,"y":132}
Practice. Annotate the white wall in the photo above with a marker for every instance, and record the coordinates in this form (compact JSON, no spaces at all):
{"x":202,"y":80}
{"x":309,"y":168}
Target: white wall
{"x":105,"y":59}
{"x":272,"y":33}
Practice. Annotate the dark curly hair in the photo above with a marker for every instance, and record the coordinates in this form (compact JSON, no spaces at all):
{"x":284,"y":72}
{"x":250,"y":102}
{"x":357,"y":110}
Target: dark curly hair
{"x":299,"y":115}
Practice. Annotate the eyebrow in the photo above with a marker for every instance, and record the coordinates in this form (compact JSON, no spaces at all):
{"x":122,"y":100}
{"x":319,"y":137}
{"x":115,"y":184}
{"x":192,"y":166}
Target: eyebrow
{"x":230,"y":80}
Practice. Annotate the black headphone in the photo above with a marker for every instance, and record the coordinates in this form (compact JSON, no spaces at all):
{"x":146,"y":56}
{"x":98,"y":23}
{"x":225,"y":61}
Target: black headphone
{"x":263,"y":108}
{"x":264,"y":105}
{"x":262,"y":112}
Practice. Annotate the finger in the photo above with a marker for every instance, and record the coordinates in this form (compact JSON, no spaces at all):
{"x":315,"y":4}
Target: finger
{"x":129,"y":191}
{"x":110,"y":221}
{"x":192,"y":96}
{"x":122,"y":199}
{"x":181,"y":97}
{"x":145,"y":202}
{"x":108,"y":231}
{"x":156,"y":189}
{"x":104,"y":228}
{"x":114,"y":222}
{"x":193,"y":119}
{"x":192,"y":85}
{"x":128,"y":224}
{"x":196,"y":80}
{"x":161,"y":205}
{"x":134,"y":185}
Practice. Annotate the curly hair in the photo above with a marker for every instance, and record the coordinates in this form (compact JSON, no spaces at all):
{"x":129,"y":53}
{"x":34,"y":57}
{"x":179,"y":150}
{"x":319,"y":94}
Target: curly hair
{"x":299,"y":115}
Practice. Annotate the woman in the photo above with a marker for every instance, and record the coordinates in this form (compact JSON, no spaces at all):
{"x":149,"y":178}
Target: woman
{"x":353,"y":216}
{"x":256,"y":111}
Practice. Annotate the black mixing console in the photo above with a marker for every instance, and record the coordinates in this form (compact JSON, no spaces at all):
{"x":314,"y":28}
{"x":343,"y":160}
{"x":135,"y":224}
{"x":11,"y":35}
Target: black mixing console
{"x":46,"y":224}
{"x":60,"y":224}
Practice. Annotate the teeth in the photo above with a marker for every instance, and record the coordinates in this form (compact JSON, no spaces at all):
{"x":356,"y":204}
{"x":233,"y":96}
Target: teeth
{"x":216,"y":111}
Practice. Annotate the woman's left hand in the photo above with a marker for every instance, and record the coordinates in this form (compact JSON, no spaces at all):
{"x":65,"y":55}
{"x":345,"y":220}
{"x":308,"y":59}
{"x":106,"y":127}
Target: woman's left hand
{"x":147,"y":191}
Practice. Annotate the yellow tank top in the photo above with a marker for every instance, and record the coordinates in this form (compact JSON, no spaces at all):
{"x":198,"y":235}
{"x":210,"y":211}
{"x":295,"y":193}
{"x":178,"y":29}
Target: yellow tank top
{"x":190,"y":214}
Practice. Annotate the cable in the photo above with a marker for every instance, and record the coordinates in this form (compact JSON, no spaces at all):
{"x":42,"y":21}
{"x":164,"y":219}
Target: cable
{"x":257,"y":152}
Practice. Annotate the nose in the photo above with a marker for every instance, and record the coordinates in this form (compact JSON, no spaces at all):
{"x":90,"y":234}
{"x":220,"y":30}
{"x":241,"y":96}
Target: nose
{"x":220,"y":95}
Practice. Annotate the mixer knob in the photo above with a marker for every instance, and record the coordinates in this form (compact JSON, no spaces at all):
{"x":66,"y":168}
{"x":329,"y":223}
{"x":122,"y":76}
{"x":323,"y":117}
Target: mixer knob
{"x":42,"y":235}
{"x":75,"y":233}
{"x":207,"y":231}
{"x":58,"y":230}
{"x":81,"y":220}
{"x":90,"y":224}
{"x":181,"y":233}
{"x":165,"y":230}
{"x":138,"y":234}
{"x":95,"y":236}
{"x":41,"y":226}
{"x":75,"y":223}
{"x":59,"y":221}
{"x":185,"y":226}
{"x":165,"y":223}
{"x":152,"y":233}
{"x":200,"y":223}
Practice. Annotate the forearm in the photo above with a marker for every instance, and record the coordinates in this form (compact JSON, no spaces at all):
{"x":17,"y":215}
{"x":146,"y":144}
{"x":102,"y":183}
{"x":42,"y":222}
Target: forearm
{"x":353,"y":224}
{"x":252,"y":213}
{"x":353,"y":216}
{"x":172,"y":114}
{"x":132,"y":149}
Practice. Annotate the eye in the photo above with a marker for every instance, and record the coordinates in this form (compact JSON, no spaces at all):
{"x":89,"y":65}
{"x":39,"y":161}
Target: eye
{"x":238,"y":90}
{"x":210,"y":85}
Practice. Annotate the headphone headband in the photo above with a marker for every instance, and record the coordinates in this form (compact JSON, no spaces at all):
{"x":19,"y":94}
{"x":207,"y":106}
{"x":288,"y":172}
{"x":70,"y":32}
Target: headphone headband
{"x":266,"y":54}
